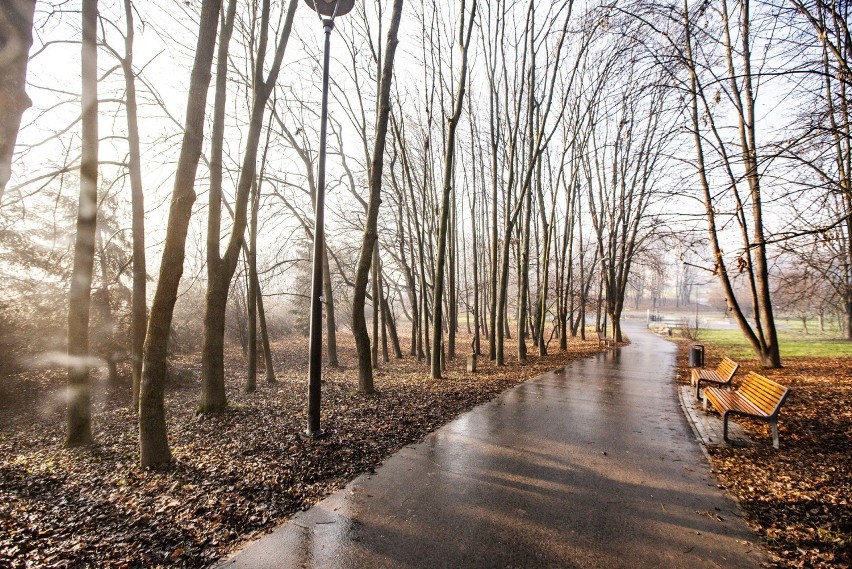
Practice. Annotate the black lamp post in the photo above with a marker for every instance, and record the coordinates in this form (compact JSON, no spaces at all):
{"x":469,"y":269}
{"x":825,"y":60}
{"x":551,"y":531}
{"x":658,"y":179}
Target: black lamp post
{"x":327,"y":11}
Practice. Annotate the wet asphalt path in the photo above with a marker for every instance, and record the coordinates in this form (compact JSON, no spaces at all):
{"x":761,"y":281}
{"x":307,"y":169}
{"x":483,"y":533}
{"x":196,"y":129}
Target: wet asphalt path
{"x":592,"y":465}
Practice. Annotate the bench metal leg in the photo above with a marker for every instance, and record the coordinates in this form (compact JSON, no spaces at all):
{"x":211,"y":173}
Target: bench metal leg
{"x":725,"y":428}
{"x":705,"y":403}
{"x":775,"y":443}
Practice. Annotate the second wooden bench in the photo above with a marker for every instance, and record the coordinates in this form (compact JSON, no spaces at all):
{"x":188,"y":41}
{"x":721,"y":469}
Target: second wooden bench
{"x":720,"y":377}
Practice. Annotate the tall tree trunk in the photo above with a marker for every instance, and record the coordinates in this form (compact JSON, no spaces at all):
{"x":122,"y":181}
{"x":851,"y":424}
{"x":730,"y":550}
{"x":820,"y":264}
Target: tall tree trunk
{"x":452,"y":297}
{"x":251,"y":301}
{"x":221,"y":269}
{"x":359,"y":296}
{"x":524,"y":279}
{"x":494,"y":138}
{"x":384,"y":317}
{"x":139,"y":309}
{"x":762,"y":338}
{"x":153,"y":439}
{"x":417,"y":271}
{"x":475,"y":345}
{"x":104,"y":331}
{"x":374,"y":269}
{"x":79,"y":296}
{"x":391,"y":326}
{"x":16,"y":33}
{"x":213,"y":395}
{"x":770,"y":354}
{"x":438,"y":279}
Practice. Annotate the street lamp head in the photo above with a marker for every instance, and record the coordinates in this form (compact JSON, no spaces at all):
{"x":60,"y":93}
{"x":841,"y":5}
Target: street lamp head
{"x":331,"y":8}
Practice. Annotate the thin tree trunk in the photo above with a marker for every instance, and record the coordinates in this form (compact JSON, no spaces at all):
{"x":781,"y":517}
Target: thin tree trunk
{"x":438,"y":280}
{"x":330,"y":317}
{"x":328,"y":286}
{"x":221,"y":268}
{"x":79,"y":296}
{"x":452,"y":297}
{"x":524,"y":279}
{"x":104,"y":333}
{"x":359,"y":323}
{"x":264,"y":335}
{"x":153,"y":440}
{"x":765,"y":348}
{"x":476,"y":347}
{"x":382,"y":305}
{"x":251,"y":301}
{"x":139,"y":309}
{"x":391,"y":326}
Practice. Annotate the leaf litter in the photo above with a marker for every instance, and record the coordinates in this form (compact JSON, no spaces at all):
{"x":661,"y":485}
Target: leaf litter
{"x":798,"y":498}
{"x":234,"y":476}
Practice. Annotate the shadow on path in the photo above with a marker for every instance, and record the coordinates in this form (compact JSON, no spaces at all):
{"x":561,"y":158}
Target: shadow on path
{"x":591,"y":465}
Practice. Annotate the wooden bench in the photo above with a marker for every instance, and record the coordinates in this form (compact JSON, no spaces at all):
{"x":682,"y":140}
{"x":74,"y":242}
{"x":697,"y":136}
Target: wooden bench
{"x":606,"y":342}
{"x":720,"y":377}
{"x":757,"y":397}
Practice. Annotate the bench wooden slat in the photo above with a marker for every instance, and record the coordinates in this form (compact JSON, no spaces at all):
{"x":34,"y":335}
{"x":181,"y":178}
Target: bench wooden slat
{"x":758,"y":397}
{"x":762,"y":392}
{"x":720,"y":377}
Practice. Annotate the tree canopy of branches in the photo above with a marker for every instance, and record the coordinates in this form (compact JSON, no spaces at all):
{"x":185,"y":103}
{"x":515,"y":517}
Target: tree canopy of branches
{"x":506,"y":169}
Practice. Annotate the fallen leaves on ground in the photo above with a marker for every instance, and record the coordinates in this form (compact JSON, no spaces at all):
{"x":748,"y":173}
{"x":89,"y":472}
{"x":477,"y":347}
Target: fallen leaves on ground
{"x":798,"y":498}
{"x":235,"y":475}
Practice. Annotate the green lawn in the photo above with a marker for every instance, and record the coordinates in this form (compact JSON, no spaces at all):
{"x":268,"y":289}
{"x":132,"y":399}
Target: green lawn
{"x":793,"y":344}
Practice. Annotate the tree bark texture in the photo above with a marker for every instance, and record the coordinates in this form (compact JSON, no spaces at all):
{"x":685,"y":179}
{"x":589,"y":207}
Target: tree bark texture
{"x":79,"y":431}
{"x":359,"y":295}
{"x":139,"y":309}
{"x":153,"y":439}
{"x":441,"y":257}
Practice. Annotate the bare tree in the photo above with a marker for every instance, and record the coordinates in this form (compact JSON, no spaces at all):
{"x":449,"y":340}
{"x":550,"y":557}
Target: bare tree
{"x":465,"y":30}
{"x":79,"y":296}
{"x":826,"y":149}
{"x":753,"y":260}
{"x":153,"y":438}
{"x":220,"y":266}
{"x":140,"y":275}
{"x":383,"y":107}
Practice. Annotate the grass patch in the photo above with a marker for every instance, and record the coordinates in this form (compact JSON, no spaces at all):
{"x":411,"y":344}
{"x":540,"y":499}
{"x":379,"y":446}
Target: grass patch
{"x":793,"y":344}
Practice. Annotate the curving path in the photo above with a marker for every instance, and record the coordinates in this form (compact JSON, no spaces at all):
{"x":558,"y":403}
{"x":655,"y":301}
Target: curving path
{"x":591,"y":465}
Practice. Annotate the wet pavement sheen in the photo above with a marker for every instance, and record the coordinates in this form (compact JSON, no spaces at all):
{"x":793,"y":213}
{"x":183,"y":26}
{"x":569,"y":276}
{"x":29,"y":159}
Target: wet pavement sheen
{"x":591,"y":465}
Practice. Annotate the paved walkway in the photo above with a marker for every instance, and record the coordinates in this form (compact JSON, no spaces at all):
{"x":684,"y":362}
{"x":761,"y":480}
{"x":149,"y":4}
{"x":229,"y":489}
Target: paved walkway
{"x":708,"y":427}
{"x":592,"y":465}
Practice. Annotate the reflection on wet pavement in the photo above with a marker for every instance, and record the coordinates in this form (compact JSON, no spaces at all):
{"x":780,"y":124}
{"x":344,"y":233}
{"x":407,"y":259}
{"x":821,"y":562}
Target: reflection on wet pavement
{"x":592,"y":465}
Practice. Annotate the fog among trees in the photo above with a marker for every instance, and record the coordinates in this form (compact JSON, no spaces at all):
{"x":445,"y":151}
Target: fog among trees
{"x":514,"y":169}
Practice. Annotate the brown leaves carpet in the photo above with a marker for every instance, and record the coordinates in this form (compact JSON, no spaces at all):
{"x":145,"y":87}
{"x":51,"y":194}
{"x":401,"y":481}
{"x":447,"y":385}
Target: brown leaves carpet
{"x":235,"y":475}
{"x":798,"y":498}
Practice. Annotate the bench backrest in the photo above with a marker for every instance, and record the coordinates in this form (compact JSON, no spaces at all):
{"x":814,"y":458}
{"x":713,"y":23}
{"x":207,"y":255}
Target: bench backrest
{"x":727,"y":368}
{"x":763,"y":392}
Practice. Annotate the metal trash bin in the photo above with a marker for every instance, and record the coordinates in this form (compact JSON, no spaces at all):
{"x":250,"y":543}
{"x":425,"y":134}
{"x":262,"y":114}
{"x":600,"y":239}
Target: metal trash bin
{"x":696,"y":355}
